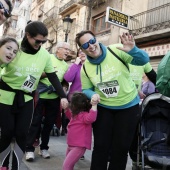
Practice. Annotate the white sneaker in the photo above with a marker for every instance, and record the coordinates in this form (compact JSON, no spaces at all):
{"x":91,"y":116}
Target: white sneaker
{"x":44,"y":153}
{"x":29,"y":156}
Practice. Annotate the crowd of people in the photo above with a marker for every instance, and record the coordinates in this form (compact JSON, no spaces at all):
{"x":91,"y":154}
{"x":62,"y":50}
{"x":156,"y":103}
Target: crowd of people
{"x":103,"y":98}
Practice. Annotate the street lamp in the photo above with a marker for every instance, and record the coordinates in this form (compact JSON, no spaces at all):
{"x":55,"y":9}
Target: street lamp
{"x":67,"y":22}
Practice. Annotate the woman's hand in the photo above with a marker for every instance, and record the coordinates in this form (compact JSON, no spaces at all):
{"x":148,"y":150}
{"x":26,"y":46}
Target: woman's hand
{"x":78,"y":60}
{"x":128,"y":42}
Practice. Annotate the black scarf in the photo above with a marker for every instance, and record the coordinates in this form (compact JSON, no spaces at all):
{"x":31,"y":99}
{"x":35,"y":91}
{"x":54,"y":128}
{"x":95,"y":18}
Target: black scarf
{"x":27,"y":48}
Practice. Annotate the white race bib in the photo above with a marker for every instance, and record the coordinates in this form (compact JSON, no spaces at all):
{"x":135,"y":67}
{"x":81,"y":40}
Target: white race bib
{"x":110,"y":88}
{"x":29,"y":83}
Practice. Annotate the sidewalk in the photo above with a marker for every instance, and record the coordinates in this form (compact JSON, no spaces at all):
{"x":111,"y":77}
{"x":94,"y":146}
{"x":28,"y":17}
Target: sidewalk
{"x":57,"y":151}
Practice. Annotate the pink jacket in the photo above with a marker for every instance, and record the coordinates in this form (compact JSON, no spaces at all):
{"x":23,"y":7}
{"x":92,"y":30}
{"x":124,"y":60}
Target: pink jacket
{"x":80,"y":128}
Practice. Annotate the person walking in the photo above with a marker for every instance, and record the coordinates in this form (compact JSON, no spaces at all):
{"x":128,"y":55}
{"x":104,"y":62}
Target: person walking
{"x":136,"y":73}
{"x":79,"y":137}
{"x":49,"y":103}
{"x":106,"y":75}
{"x":17,"y":87}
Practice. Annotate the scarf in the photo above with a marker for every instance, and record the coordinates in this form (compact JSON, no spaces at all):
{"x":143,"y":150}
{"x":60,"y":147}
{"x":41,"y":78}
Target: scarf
{"x":99,"y":59}
{"x":27,"y":48}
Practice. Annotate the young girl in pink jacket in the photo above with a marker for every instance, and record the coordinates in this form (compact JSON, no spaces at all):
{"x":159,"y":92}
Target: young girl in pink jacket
{"x":82,"y":114}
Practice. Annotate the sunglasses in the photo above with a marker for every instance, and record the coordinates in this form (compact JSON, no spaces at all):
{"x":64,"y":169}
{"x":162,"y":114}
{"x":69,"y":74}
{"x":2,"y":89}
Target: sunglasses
{"x":39,"y":41}
{"x":6,"y":11}
{"x":86,"y":45}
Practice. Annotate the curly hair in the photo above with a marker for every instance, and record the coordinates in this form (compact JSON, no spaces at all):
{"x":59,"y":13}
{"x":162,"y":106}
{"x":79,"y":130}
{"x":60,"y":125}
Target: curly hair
{"x":79,"y":102}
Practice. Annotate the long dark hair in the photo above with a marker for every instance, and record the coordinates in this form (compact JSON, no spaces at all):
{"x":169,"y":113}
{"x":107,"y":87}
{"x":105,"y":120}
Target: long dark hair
{"x":79,"y":102}
{"x":36,"y":27}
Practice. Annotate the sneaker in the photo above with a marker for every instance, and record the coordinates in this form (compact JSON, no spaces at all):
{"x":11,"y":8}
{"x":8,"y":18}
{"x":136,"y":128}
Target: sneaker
{"x":44,"y":153}
{"x":36,"y":143}
{"x":29,"y":156}
{"x":82,"y":158}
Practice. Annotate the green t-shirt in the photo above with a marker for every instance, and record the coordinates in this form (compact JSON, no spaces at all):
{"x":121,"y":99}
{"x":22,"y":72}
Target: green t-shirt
{"x":60,"y":66}
{"x":136,"y":72}
{"x":24,"y":72}
{"x":2,"y":68}
{"x":114,"y":75}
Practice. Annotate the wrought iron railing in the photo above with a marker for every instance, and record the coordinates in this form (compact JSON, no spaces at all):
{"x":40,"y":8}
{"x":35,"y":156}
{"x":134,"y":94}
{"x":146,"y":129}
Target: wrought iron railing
{"x":151,"y":20}
{"x":83,"y":2}
{"x":51,"y":15}
{"x":39,"y":1}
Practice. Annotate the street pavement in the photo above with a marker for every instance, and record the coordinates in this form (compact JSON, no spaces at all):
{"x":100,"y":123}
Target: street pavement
{"x":57,"y":151}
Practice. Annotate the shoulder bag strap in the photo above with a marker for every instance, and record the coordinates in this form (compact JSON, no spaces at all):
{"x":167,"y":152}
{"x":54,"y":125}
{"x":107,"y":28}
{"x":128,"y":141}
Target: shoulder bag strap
{"x":85,"y":70}
{"x":118,"y":57}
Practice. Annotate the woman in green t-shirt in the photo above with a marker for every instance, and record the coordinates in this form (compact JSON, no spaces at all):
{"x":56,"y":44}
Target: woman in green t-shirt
{"x":17,"y":88}
{"x":106,"y":76}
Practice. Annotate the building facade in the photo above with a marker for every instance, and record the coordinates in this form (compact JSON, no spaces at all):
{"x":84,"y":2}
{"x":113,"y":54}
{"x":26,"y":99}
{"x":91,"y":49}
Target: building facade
{"x":151,"y":29}
{"x":149,"y":22}
{"x":15,"y":25}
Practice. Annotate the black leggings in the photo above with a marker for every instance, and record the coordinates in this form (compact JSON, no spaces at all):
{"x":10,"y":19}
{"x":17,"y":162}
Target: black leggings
{"x":113,"y":133}
{"x":14,"y":125}
{"x":51,"y":107}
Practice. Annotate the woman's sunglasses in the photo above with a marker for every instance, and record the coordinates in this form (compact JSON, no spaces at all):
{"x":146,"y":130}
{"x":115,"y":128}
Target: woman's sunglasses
{"x":6,"y":11}
{"x":86,"y":45}
{"x":39,"y":41}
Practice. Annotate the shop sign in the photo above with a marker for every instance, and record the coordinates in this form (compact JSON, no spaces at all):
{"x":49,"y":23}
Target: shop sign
{"x":117,"y":18}
{"x":158,"y":50}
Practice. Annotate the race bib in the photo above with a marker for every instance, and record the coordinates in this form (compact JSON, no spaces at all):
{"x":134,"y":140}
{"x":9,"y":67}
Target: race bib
{"x":29,"y":83}
{"x":109,"y":89}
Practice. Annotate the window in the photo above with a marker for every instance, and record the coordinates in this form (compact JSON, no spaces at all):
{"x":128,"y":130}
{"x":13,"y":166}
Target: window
{"x":17,"y":3}
{"x":14,"y":24}
{"x":99,"y":24}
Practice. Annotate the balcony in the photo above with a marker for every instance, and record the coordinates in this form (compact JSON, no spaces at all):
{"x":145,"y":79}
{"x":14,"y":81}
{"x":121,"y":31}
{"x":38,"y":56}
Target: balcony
{"x":71,"y":7}
{"x":96,"y":3}
{"x":39,"y":1}
{"x":151,"y":22}
{"x":50,"y":16}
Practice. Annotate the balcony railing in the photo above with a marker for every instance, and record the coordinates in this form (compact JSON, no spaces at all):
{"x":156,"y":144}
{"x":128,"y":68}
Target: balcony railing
{"x":39,"y":1}
{"x":50,"y":16}
{"x":72,"y":4}
{"x":151,"y":20}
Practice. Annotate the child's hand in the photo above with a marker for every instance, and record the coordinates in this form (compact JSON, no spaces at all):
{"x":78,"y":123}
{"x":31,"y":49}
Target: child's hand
{"x":95,"y":99}
{"x":64,"y":103}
